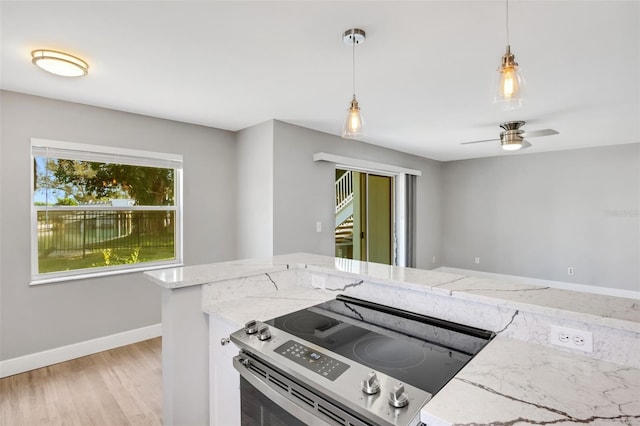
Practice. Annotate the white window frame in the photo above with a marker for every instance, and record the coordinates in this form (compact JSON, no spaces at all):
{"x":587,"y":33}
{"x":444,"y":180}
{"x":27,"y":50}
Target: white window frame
{"x":105,"y":154}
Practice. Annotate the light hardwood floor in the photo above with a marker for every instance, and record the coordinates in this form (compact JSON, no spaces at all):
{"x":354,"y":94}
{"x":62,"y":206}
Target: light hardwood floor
{"x":122,"y":386}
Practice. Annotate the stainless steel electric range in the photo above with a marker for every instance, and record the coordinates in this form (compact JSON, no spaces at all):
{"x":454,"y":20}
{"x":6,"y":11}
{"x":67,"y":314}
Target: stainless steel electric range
{"x":348,"y":362}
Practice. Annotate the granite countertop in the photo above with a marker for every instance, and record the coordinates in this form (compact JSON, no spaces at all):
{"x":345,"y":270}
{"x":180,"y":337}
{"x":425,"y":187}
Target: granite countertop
{"x":510,"y":382}
{"x":265,"y":306}
{"x":618,"y":312}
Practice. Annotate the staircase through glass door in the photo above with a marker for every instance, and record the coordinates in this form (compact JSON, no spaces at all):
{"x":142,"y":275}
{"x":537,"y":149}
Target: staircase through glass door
{"x":364,"y":212}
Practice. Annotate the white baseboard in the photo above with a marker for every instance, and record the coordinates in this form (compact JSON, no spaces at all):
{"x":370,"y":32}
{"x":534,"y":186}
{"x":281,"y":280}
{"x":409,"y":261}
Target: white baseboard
{"x":607,"y":291}
{"x":65,"y":353}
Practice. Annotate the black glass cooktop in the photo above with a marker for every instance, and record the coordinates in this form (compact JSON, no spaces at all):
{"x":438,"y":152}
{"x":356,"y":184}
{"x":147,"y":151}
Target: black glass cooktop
{"x":419,"y":350}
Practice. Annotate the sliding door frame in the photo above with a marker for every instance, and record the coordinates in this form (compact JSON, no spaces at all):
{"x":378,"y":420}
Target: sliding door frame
{"x":405,"y":199}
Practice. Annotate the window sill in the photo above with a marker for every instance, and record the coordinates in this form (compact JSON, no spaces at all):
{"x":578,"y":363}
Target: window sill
{"x":99,"y":274}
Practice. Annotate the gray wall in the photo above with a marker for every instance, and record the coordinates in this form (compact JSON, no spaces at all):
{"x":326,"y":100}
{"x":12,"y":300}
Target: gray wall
{"x":303,"y":191}
{"x":36,"y":318}
{"x":535,"y":215}
{"x":532,"y":215}
{"x":255,"y":191}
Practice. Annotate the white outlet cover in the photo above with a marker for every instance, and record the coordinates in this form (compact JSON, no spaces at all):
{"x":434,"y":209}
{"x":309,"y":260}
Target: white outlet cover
{"x":557,"y":331}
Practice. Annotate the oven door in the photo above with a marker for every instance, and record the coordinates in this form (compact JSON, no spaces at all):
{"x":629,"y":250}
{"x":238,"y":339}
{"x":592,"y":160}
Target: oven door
{"x":258,"y":409}
{"x":270,"y":398}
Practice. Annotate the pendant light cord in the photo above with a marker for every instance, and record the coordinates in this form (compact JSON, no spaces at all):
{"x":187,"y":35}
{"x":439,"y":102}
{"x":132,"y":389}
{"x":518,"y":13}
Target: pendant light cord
{"x":507,"y":21}
{"x":353,"y":59}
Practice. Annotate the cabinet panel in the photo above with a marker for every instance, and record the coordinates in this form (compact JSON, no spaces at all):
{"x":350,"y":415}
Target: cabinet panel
{"x":224,"y":386}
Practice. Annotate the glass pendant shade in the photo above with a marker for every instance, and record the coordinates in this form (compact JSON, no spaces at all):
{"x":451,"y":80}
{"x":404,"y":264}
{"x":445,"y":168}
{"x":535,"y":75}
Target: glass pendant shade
{"x":508,"y":86}
{"x":353,"y":123}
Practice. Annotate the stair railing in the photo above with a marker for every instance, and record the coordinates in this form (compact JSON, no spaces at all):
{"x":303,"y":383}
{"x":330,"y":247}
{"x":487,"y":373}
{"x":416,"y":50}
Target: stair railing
{"x":344,"y":190}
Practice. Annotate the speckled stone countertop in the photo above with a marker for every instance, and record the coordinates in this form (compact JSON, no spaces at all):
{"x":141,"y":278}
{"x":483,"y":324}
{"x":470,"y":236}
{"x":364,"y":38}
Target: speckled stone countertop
{"x":607,"y":310}
{"x":511,"y":382}
{"x":518,"y":378}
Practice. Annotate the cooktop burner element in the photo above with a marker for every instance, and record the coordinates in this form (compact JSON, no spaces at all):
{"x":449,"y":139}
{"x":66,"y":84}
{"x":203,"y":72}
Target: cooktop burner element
{"x":308,"y":323}
{"x":384,"y":352}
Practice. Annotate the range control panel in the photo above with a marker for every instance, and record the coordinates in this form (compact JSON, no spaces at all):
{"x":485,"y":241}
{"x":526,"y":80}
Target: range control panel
{"x":313,"y":360}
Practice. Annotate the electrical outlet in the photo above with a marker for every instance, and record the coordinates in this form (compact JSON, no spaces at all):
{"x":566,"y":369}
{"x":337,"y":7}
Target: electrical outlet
{"x":433,"y":260}
{"x":477,"y":260}
{"x":570,"y":270}
{"x":581,"y":340}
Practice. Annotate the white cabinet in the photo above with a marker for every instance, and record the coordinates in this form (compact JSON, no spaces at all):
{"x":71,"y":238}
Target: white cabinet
{"x":224,"y":385}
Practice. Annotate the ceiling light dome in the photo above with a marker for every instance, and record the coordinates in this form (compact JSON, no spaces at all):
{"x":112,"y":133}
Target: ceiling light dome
{"x":59,"y":63}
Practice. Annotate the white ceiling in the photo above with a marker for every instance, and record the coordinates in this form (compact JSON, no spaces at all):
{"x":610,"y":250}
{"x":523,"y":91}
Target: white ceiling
{"x":423,"y":74}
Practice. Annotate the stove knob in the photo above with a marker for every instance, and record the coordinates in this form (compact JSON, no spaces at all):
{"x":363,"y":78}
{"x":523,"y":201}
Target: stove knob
{"x":264,"y":333}
{"x":398,"y":397}
{"x":370,"y":384}
{"x":251,"y":327}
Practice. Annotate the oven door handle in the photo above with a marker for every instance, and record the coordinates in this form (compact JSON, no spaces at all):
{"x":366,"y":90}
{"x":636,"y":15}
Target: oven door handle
{"x":285,"y":403}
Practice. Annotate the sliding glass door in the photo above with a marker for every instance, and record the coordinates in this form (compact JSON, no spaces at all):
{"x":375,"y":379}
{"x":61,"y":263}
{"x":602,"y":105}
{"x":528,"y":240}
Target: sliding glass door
{"x":364,"y":216}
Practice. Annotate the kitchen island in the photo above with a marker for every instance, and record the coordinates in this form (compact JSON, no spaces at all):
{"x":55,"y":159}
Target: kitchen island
{"x":519,"y":375}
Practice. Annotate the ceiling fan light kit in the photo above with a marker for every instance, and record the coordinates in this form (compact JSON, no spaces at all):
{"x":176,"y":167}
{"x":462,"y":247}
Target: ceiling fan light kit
{"x":353,"y":126}
{"x":511,"y":137}
{"x":511,"y":146}
{"x":510,"y":142}
{"x":59,"y":63}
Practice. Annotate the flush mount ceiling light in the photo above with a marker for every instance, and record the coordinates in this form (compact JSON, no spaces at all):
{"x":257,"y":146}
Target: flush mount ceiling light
{"x":353,"y":124}
{"x":59,"y":63}
{"x":508,"y":84}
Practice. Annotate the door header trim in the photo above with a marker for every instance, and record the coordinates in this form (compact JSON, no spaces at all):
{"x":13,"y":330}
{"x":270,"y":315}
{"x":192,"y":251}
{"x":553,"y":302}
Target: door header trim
{"x":373,"y":166}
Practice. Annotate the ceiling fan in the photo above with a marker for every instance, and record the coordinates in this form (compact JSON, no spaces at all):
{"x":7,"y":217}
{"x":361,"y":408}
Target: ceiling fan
{"x":512,"y":136}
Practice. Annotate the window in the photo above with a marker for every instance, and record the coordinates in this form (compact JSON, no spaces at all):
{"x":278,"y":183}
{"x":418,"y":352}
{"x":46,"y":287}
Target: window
{"x":98,"y":210}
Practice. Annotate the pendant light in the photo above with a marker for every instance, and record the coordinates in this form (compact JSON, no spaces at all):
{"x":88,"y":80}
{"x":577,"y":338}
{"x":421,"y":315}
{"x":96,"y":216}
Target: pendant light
{"x":353,"y":124}
{"x":508,"y":85}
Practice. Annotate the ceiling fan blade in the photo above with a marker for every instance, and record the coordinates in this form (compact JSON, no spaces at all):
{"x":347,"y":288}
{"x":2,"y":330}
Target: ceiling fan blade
{"x":537,"y":133}
{"x":484,"y":140}
{"x":525,"y":145}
